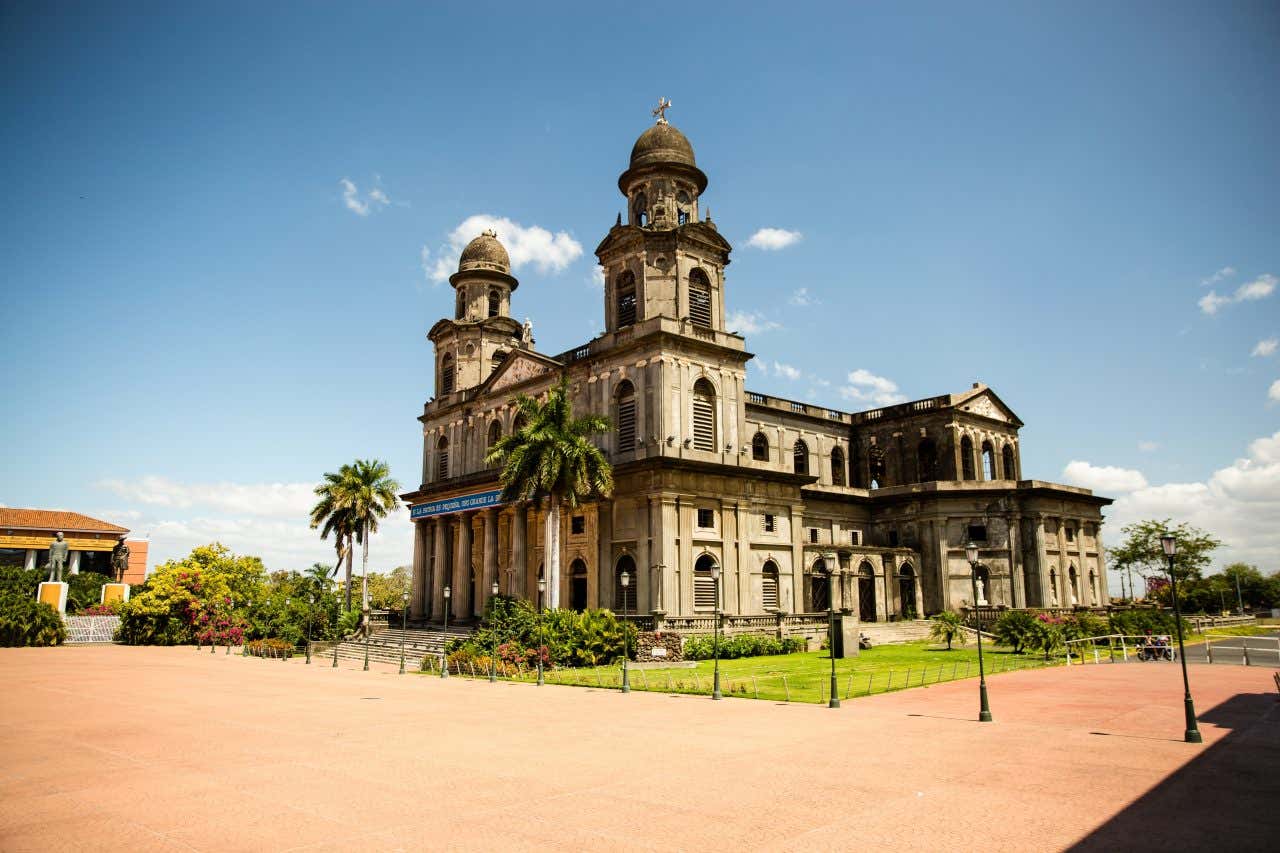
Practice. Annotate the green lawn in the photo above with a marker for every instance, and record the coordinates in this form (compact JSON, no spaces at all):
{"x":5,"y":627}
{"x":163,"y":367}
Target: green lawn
{"x":806,"y":676}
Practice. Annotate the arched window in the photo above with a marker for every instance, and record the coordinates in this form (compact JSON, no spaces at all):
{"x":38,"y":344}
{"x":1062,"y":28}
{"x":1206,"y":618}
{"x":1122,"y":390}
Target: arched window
{"x":769,"y":586}
{"x":837,"y":467}
{"x":704,"y":585}
{"x":495,"y":301}
{"x":517,"y":424}
{"x":800,"y":457}
{"x":1053,"y":587}
{"x":1073,"y":586}
{"x":495,"y":433}
{"x":819,"y":587}
{"x":460,"y":306}
{"x":704,"y":416}
{"x":760,"y":447}
{"x":682,"y":207}
{"x":625,"y":298}
{"x":1010,"y":465}
{"x":625,"y":416}
{"x":927,"y":460}
{"x":578,"y":585}
{"x":624,"y":598}
{"x":446,"y":374}
{"x":875,"y":466}
{"x":966,"y":459}
{"x":988,"y":461}
{"x":907,"y":591}
{"x":699,"y":298}
{"x":640,"y":210}
{"x":983,"y":577}
{"x":442,"y":458}
{"x":855,"y":465}
{"x":866,"y":592}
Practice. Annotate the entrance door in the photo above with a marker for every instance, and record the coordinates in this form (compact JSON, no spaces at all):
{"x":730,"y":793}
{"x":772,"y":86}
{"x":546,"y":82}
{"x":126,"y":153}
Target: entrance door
{"x":866,"y":593}
{"x":907,"y":593}
{"x":578,"y":589}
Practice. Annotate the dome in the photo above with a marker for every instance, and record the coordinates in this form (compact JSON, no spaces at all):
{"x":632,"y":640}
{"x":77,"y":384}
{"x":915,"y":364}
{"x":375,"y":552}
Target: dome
{"x":485,"y":253}
{"x":661,"y":143}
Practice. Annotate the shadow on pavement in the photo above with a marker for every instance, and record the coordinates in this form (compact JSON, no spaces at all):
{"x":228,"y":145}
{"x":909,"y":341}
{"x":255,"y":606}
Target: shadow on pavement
{"x":1223,"y":799}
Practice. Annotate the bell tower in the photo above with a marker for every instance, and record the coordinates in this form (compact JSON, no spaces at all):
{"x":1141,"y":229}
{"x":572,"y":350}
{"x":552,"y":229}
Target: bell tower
{"x":482,"y":332}
{"x":665,"y":260}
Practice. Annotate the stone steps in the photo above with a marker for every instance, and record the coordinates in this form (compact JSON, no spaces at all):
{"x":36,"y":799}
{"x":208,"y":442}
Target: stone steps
{"x":888,"y":633}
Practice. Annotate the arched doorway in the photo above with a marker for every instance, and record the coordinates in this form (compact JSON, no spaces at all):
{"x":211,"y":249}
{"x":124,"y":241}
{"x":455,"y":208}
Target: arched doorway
{"x":819,"y":587}
{"x":705,"y":592}
{"x":907,"y":592}
{"x":769,"y":587}
{"x":624,"y":598}
{"x":866,"y":592}
{"x":1074,"y":585}
{"x":578,"y":585}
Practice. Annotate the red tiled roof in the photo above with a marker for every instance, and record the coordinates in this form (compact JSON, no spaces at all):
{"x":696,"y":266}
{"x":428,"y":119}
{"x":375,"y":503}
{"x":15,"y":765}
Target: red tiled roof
{"x":54,"y":519}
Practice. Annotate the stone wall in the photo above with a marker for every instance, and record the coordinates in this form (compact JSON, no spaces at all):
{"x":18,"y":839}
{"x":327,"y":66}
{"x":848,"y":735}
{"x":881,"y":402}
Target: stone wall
{"x":669,"y":644}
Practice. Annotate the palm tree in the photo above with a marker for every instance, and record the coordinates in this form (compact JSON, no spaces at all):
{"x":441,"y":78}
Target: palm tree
{"x":336,"y":518}
{"x":947,"y":625}
{"x":552,"y":457}
{"x":368,"y":493}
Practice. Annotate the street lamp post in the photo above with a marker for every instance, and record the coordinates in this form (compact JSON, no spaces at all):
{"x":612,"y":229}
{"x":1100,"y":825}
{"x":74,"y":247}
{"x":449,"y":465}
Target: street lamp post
{"x":625,"y":579}
{"x":833,"y":700}
{"x":231,"y":612}
{"x":715,"y":684}
{"x":404,"y":625}
{"x":984,"y":709}
{"x":368,"y":628}
{"x":311,"y":608}
{"x":542,"y":587}
{"x":337,"y":635}
{"x":444,"y":637}
{"x":493,"y":629}
{"x":1192,"y":734}
{"x":287,"y":602}
{"x":1239,"y":598}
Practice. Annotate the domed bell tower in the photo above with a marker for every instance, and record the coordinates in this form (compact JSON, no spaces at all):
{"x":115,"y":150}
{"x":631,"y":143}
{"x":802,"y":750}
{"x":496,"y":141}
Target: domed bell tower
{"x":666,"y":260}
{"x":482,"y":332}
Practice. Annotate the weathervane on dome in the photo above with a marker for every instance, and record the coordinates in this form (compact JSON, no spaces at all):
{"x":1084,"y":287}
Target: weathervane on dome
{"x":661,"y":111}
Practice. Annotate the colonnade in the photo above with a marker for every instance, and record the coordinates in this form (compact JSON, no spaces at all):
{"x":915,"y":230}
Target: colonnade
{"x":448,"y":551}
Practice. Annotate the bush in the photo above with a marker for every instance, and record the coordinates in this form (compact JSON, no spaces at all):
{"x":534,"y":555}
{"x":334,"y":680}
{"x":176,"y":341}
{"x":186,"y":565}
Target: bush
{"x":1046,"y":634}
{"x":15,"y":581}
{"x":1138,"y":622}
{"x":702,"y":646}
{"x":111,"y":608}
{"x":84,"y":590}
{"x":269,"y":648}
{"x":568,"y":638}
{"x":26,"y":622}
{"x":1015,"y":628}
{"x":947,"y":627}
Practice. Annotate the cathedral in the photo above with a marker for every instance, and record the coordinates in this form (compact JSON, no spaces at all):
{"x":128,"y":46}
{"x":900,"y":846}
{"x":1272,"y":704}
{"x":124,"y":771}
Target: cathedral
{"x":771,"y":505}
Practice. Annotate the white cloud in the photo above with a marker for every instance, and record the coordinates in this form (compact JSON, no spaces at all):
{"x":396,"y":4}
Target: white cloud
{"x":1148,"y":446}
{"x":373,"y":200}
{"x":597,"y":277}
{"x":786,"y":371}
{"x":1104,"y":479}
{"x":268,"y":520}
{"x":1225,"y":272}
{"x":532,"y":245}
{"x":749,"y":323}
{"x":1266,"y":347}
{"x":773,"y":239}
{"x":803,"y":298}
{"x":1260,"y":288}
{"x":866,"y":387}
{"x":1273,"y":393}
{"x":1239,"y":504}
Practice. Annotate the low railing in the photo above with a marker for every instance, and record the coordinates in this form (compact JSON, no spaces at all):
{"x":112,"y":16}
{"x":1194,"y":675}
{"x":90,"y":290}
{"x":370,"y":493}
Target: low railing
{"x":1199,"y":623}
{"x":1253,"y":651}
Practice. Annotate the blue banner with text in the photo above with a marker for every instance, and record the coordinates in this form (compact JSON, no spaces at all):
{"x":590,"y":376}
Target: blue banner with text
{"x":479,"y":500}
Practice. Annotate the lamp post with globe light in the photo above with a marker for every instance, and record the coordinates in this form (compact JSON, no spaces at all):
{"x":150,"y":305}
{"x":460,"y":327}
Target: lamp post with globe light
{"x":1192,"y":733}
{"x":625,"y":579}
{"x":444,"y":636}
{"x":542,"y":587}
{"x":984,"y":709}
{"x":493,"y":628}
{"x":311,"y":608}
{"x":404,"y":625}
{"x":834,"y":694}
{"x":715,"y":685}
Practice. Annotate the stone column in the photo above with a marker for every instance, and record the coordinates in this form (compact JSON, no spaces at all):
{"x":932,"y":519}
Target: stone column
{"x":518,"y":557}
{"x":1046,"y":597}
{"x":462,"y":567}
{"x":1015,"y":563}
{"x":490,"y":517}
{"x":418,"y":585}
{"x":644,"y":531}
{"x":919,"y":597}
{"x":606,"y":579}
{"x":73,"y":565}
{"x":439,"y":567}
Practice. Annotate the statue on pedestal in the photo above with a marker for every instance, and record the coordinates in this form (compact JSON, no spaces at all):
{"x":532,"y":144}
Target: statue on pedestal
{"x":119,"y":561}
{"x":982,"y":594}
{"x":58,"y":553}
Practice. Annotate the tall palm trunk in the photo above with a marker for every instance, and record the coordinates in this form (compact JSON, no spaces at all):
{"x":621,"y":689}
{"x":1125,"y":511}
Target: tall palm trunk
{"x":364,"y":570}
{"x":551,"y":550}
{"x":350,"y":555}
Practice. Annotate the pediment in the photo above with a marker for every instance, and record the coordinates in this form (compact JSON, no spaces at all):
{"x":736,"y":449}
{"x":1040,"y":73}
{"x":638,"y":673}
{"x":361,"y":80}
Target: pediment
{"x":520,"y":367}
{"x":986,"y":404}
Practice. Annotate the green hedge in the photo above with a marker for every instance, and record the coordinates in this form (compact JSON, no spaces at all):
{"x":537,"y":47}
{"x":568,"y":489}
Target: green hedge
{"x":702,"y":646}
{"x":26,"y":622}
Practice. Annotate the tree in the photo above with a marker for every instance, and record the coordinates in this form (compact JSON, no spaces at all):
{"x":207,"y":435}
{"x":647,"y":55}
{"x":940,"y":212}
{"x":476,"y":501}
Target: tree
{"x":1141,"y":550}
{"x":368,"y":493}
{"x":947,"y":626}
{"x":552,"y":457}
{"x":336,"y":517}
{"x":1015,"y":628}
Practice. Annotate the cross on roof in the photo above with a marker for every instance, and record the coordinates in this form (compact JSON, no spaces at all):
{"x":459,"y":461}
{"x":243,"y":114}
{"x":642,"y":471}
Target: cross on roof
{"x":661,"y":110}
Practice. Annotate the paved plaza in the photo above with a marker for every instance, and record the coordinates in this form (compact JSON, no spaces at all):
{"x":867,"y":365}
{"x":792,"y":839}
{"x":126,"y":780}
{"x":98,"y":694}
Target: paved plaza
{"x":110,"y":747}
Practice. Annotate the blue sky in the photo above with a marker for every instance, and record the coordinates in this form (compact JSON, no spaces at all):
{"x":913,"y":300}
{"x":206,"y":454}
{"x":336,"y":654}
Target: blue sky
{"x":213,"y":248}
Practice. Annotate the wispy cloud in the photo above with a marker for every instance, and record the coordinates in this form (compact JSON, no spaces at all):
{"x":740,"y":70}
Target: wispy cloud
{"x":786,"y":371}
{"x":375,"y":199}
{"x":1103,"y":478}
{"x":773,"y":239}
{"x":749,"y":323}
{"x":863,"y":386}
{"x":1148,"y":446}
{"x":530,"y":245}
{"x":1225,"y":272}
{"x":596,"y":277}
{"x":1260,"y":288}
{"x":803,"y":298}
{"x":1266,"y":347}
{"x":1273,"y":393}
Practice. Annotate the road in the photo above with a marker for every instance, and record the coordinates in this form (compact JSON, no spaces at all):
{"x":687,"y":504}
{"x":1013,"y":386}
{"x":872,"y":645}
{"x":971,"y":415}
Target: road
{"x":1264,"y":650}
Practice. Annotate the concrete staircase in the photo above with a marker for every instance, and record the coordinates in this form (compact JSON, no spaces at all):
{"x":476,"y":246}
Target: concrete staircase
{"x":384,"y":645}
{"x":887,"y":633}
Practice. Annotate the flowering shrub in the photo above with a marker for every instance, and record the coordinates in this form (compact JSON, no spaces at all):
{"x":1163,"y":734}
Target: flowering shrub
{"x":111,"y":608}
{"x":269,"y":648}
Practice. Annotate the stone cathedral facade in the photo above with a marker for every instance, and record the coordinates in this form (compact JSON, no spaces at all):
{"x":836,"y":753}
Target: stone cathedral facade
{"x":800,"y":506}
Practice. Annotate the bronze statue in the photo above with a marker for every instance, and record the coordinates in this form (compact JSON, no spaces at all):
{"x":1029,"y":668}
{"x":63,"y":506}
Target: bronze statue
{"x":58,"y":551}
{"x":119,"y":561}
